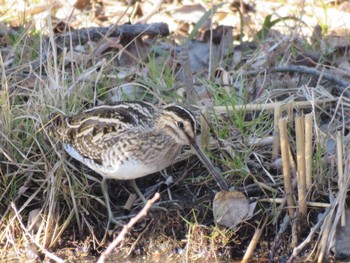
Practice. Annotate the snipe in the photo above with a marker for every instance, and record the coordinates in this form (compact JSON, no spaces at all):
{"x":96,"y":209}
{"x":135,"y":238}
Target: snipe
{"x":128,"y":140}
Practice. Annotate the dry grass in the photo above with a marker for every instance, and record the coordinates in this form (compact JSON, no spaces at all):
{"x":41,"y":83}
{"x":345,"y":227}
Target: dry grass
{"x":51,"y":205}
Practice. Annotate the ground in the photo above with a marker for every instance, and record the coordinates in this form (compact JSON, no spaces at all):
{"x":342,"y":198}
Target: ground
{"x":268,"y":83}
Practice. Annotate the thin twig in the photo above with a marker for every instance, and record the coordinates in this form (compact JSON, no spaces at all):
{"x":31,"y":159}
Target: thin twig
{"x":139,"y":237}
{"x":126,"y":228}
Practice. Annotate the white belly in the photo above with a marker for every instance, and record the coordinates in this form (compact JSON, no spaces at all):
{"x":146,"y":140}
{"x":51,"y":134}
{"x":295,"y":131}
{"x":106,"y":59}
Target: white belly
{"x":126,"y":171}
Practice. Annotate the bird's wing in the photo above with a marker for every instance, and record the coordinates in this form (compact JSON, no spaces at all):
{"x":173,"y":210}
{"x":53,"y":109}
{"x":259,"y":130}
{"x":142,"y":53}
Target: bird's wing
{"x":88,"y":135}
{"x":93,"y":132}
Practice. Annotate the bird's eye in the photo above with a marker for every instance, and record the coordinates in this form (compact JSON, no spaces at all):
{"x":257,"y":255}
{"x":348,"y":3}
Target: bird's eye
{"x":180,"y":124}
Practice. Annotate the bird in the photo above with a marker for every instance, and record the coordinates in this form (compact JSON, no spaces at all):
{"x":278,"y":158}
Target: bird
{"x":128,"y":140}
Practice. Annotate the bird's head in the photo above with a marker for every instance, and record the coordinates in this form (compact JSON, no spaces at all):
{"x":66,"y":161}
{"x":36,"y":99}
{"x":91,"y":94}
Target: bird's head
{"x":179,"y":123}
{"x":56,"y":126}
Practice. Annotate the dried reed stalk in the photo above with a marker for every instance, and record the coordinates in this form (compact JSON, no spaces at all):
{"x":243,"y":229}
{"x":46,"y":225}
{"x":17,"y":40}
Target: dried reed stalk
{"x":337,"y":208}
{"x":276,"y":132}
{"x":281,"y":200}
{"x":301,"y":180}
{"x":272,"y":106}
{"x":341,"y":178}
{"x":288,"y":188}
{"x":308,"y":149}
{"x":254,"y":241}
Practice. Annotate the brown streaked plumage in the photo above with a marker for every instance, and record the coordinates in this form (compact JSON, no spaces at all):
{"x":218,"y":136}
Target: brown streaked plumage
{"x":128,"y":140}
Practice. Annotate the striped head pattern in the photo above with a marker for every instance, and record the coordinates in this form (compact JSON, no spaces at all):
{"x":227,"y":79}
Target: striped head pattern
{"x":179,"y":123}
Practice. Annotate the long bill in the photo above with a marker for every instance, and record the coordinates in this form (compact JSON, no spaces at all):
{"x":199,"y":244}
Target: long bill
{"x":207,"y":163}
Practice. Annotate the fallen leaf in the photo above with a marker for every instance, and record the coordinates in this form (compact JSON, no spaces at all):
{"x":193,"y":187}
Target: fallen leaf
{"x":230,"y":208}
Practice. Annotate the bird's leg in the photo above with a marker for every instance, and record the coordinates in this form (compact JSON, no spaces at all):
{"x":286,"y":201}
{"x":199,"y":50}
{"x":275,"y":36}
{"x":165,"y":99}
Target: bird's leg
{"x":108,"y":205}
{"x":137,"y":190}
{"x":144,"y":200}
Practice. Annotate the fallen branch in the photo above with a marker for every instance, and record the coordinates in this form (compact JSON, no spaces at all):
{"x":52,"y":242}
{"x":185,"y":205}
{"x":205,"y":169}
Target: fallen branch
{"x":126,"y":228}
{"x":82,"y":36}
